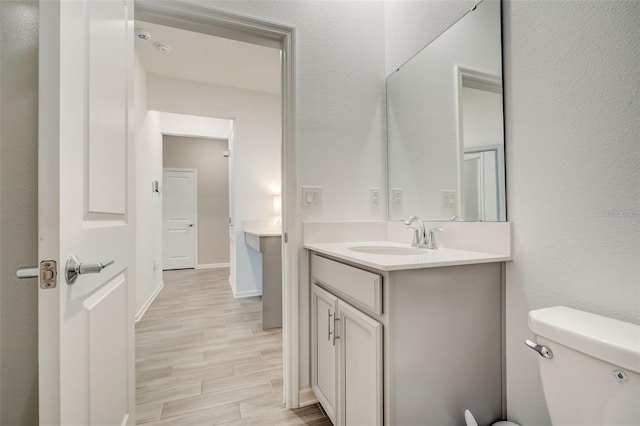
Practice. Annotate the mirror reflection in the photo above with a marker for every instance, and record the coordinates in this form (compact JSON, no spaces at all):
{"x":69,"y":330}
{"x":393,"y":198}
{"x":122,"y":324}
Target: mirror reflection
{"x":445,"y":125}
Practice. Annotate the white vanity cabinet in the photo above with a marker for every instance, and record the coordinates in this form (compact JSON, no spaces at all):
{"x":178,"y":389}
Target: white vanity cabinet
{"x":324,"y":360}
{"x":442,"y":346}
{"x":359,"y":367}
{"x":346,"y":346}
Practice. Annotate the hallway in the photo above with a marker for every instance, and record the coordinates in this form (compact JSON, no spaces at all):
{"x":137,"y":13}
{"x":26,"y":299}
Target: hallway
{"x":202,"y":358}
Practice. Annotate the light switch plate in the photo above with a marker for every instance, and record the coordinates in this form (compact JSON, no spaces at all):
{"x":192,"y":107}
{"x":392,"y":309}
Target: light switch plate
{"x":311,"y":196}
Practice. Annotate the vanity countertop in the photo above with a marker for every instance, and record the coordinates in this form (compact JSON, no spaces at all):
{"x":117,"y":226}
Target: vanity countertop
{"x":392,"y":262}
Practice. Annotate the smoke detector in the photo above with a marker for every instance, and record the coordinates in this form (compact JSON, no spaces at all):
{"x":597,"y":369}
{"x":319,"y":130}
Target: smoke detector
{"x":163,"y":48}
{"x":143,"y":34}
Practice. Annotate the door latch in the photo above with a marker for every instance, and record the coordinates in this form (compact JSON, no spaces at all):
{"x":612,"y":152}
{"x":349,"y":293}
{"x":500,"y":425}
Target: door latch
{"x":48,"y":274}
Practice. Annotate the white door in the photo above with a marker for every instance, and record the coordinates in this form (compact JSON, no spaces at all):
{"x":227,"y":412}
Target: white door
{"x":359,"y":368}
{"x":86,"y":200}
{"x":472,"y":187}
{"x":323,"y":349}
{"x":179,"y":219}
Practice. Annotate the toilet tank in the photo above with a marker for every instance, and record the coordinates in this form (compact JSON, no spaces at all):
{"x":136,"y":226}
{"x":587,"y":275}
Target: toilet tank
{"x":593,"y":377}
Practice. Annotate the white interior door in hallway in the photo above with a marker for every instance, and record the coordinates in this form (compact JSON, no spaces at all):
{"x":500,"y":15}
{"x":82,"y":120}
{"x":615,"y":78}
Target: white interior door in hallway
{"x":179,"y":219}
{"x":86,"y":208}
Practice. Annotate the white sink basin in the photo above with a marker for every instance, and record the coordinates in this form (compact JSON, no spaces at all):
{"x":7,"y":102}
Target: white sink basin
{"x":388,"y":250}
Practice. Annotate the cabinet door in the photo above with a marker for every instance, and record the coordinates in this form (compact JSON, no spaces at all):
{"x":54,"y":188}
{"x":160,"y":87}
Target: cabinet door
{"x":359,"y":368}
{"x":323,"y":349}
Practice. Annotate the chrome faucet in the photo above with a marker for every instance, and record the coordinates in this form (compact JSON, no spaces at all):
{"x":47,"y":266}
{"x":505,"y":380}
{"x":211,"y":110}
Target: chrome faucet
{"x":418,"y":233}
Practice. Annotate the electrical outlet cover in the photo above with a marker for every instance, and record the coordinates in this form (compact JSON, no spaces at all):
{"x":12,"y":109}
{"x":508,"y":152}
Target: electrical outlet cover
{"x":374,"y":196}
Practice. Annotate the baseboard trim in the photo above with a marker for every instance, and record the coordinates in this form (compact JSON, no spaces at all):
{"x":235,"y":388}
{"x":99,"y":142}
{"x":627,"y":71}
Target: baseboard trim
{"x":306,"y":397}
{"x":245,"y":293}
{"x":213,"y":265}
{"x":149,"y":301}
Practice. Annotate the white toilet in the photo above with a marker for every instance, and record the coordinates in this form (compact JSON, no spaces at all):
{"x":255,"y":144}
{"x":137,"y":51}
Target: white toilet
{"x":589,"y":366}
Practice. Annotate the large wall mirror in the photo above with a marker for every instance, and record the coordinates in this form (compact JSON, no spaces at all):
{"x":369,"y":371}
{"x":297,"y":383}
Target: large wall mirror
{"x":445,"y":125}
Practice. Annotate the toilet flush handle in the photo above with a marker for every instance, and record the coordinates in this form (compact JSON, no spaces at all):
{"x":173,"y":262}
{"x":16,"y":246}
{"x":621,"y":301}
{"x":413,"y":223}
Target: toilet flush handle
{"x":544,"y":351}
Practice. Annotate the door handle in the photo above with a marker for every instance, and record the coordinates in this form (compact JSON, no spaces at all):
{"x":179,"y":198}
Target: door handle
{"x":74,"y":268}
{"x":24,"y":272}
{"x":335,"y":331}
{"x":190,"y":225}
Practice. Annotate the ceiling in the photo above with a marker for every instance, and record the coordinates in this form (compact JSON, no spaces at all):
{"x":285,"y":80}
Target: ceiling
{"x":208,"y":59}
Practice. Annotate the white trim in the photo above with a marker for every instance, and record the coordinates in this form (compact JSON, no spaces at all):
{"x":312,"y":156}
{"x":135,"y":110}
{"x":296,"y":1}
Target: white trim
{"x":212,"y":265}
{"x":195,"y":208}
{"x":306,"y":397}
{"x":246,"y":293}
{"x":200,"y":18}
{"x":149,"y":301}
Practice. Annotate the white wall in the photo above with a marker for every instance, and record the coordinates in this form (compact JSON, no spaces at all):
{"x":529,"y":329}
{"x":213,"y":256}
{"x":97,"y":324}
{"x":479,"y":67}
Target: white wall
{"x":19,"y":211}
{"x":572,"y":130}
{"x":255,"y":155}
{"x":148,"y":205}
{"x":573,"y":152}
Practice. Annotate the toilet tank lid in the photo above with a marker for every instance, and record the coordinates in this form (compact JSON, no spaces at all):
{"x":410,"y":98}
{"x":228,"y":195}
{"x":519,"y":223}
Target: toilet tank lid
{"x":608,"y":339}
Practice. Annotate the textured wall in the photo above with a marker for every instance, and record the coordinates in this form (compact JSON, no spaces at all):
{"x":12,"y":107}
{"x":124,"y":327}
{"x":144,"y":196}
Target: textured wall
{"x":572,"y":96}
{"x":19,"y":211}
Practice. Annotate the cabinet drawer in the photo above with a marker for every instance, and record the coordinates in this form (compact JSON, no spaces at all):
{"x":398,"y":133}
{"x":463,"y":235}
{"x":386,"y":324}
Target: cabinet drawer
{"x":361,"y":287}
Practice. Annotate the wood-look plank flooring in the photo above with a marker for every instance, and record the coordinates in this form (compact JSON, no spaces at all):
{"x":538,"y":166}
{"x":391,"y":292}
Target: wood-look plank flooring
{"x":202,"y":358}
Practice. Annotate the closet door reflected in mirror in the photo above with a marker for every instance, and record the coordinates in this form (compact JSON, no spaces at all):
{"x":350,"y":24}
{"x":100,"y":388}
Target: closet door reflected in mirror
{"x":445,"y":125}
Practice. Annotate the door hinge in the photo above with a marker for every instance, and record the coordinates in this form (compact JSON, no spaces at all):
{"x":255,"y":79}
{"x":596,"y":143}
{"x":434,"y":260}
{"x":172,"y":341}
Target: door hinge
{"x":48,"y":274}
{"x":286,"y":237}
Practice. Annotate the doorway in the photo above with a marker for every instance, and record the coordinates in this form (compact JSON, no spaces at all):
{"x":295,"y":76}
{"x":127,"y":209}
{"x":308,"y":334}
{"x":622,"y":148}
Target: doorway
{"x":290,"y":225}
{"x":480,"y":146}
{"x":203,"y":220}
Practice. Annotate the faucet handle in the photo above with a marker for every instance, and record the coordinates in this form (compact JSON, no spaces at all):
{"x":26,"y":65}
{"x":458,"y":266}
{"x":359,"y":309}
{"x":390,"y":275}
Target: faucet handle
{"x":432,"y":242}
{"x":416,"y":236}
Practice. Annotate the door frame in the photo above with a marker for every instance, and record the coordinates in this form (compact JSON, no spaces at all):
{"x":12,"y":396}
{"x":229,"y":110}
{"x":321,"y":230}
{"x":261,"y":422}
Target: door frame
{"x":195,"y":209}
{"x":198,"y":18}
{"x":488,"y":82}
